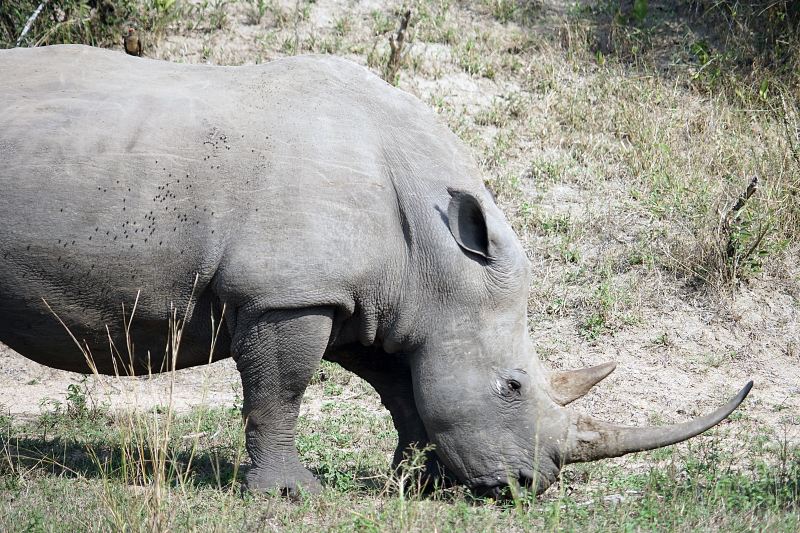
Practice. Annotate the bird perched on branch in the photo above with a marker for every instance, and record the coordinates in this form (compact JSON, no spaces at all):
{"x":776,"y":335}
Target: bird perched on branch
{"x":132,"y":43}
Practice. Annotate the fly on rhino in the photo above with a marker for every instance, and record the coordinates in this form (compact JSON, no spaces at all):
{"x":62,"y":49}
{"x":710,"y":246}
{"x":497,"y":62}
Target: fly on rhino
{"x":338,"y":219}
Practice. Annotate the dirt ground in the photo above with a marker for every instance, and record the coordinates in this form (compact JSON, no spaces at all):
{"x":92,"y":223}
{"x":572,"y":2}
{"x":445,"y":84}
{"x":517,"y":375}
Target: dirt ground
{"x":684,"y":353}
{"x":30,"y":387}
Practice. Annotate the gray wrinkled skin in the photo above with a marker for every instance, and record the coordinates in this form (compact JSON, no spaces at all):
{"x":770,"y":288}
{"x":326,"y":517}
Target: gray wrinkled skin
{"x":329,"y":213}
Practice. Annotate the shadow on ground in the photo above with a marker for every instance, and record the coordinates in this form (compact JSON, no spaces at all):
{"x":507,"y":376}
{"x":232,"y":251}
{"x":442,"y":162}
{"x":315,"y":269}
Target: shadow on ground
{"x":137,"y":465}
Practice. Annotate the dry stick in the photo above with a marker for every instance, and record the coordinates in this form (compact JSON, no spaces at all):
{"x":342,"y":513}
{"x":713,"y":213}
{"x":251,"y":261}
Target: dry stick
{"x":30,"y":22}
{"x":296,"y":31}
{"x":733,"y":215}
{"x":396,"y":43}
{"x":792,"y":132}
{"x":751,"y":189}
{"x":761,"y":234}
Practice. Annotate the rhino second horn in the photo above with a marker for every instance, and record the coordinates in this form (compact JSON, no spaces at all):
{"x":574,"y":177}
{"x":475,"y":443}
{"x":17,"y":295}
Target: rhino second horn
{"x":566,"y":387}
{"x":590,"y":439}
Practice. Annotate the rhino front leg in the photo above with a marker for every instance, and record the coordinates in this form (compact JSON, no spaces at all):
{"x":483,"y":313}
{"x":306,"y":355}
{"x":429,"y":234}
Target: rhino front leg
{"x":391,"y":378}
{"x":276,"y":357}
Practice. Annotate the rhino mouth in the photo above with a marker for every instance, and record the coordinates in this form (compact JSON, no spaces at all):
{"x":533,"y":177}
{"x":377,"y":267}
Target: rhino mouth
{"x":506,"y":486}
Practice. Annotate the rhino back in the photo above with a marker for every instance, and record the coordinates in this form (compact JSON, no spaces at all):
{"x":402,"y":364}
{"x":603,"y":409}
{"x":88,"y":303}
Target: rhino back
{"x":269,"y":183}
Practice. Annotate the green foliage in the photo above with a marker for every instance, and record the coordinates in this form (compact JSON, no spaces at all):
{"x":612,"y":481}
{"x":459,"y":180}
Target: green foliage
{"x":640,"y":9}
{"x":218,"y":14}
{"x":80,"y":411}
{"x":751,"y":40}
{"x":713,"y":65}
{"x":259,"y":9}
{"x":764,"y":31}
{"x":748,"y":246}
{"x":434,"y":21}
{"x":93,"y":22}
{"x":474,"y":59}
{"x":608,"y":308}
{"x":381,"y":23}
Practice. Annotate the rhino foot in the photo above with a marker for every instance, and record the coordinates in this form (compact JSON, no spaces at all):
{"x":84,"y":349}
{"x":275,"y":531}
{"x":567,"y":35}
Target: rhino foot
{"x":291,"y":482}
{"x":276,"y":354}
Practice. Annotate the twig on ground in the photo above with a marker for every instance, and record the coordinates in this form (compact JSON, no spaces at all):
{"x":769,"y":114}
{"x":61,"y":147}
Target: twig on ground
{"x":733,"y":215}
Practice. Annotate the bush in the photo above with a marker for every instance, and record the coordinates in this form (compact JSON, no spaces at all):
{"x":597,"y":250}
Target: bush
{"x":93,"y":22}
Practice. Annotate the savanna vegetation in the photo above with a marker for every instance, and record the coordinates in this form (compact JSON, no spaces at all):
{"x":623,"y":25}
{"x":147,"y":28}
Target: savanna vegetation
{"x":647,"y":154}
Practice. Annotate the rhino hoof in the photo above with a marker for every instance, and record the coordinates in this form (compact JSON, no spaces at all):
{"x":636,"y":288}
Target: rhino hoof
{"x":293,"y":485}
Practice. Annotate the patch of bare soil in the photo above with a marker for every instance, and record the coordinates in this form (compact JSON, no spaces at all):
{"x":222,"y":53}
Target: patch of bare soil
{"x":29,"y":388}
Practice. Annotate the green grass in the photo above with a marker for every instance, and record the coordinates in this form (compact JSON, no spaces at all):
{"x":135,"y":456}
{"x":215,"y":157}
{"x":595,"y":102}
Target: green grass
{"x":81,"y":468}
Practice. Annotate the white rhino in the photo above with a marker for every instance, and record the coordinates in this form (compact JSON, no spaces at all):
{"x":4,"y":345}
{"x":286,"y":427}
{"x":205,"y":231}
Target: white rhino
{"x":330,"y":214}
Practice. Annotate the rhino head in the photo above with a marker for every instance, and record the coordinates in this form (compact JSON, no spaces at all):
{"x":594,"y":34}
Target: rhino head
{"x":494,"y":415}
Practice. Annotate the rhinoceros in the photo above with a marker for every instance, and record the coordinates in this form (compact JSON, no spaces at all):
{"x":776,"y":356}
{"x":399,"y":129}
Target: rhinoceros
{"x":320,"y":213}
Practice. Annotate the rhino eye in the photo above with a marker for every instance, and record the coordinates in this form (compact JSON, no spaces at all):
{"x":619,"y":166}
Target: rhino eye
{"x":509,"y":384}
{"x":513,"y":385}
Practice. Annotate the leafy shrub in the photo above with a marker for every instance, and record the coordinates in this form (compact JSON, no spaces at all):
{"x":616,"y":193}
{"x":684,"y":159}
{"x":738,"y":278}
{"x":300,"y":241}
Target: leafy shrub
{"x":93,"y":22}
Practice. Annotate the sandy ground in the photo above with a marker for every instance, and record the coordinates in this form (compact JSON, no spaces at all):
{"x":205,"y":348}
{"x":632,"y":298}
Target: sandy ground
{"x":30,"y":387}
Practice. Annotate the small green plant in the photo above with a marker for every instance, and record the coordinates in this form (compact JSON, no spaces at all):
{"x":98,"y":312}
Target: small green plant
{"x":662,"y":340}
{"x":381,"y":23}
{"x":289,"y":46}
{"x":642,"y":255}
{"x":570,"y":254}
{"x":433,"y":17}
{"x":710,"y":64}
{"x":473,"y":59}
{"x":594,"y":326}
{"x":608,"y":308}
{"x":218,"y":14}
{"x":258,"y":10}
{"x":343,"y":25}
{"x":409,"y":480}
{"x":332,"y":389}
{"x":77,"y":403}
{"x":742,"y":241}
{"x":503,"y":10}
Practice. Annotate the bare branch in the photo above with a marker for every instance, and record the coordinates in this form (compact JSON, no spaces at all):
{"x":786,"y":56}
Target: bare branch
{"x":30,"y":22}
{"x":751,"y":189}
{"x":733,"y":215}
{"x":396,"y":44}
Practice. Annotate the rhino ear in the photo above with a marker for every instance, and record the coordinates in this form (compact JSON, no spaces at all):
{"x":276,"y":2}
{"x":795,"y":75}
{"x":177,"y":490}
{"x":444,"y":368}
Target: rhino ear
{"x":467,"y":222}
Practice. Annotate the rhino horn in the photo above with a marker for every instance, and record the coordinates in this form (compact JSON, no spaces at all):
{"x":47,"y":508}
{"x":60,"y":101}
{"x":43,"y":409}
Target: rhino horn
{"x":591,"y":439}
{"x":566,"y":387}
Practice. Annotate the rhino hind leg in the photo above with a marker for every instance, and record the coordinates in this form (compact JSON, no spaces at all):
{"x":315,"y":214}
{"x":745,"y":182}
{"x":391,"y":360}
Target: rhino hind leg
{"x":276,"y":357}
{"x":391,"y":379}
